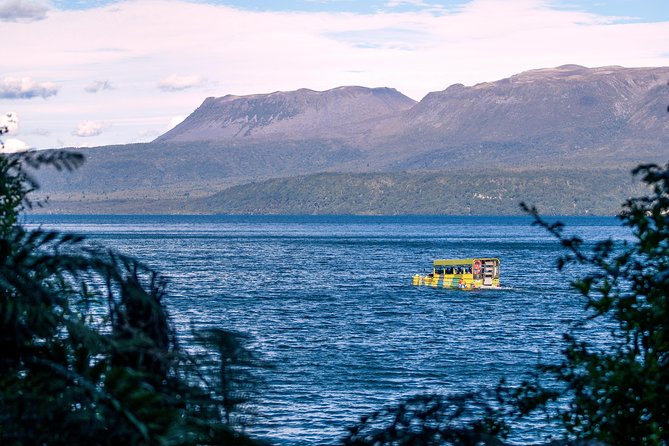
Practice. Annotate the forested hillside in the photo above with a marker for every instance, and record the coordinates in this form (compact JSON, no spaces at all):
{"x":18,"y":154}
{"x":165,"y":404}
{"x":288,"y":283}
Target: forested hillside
{"x":557,"y":192}
{"x":567,"y":192}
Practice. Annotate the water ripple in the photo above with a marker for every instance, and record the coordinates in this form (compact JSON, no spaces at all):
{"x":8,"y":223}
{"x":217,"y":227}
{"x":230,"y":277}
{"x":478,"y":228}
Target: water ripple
{"x":329,"y":303}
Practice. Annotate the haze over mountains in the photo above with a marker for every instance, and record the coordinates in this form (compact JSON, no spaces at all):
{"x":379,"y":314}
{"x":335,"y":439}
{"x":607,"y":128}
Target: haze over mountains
{"x":556,"y":121}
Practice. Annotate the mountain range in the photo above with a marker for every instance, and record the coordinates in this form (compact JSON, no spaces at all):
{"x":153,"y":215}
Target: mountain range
{"x":568,"y":121}
{"x":340,"y":113}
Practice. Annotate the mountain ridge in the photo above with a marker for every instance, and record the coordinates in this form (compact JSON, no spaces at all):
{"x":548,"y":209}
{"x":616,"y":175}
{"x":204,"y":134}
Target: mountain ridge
{"x":304,"y":113}
{"x":580,"y":97}
{"x":554,"y":118}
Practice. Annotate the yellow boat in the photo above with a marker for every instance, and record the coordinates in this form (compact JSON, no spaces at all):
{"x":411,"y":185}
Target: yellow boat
{"x":464,"y":274}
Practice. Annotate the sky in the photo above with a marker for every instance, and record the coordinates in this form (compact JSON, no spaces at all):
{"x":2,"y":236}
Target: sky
{"x":91,"y":73}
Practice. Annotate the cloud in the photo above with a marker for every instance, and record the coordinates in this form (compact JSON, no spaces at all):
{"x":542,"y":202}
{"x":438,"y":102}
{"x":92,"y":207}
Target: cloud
{"x":22,"y":11}
{"x":178,"y":83}
{"x":10,"y":121}
{"x":395,"y":3}
{"x":388,"y":38}
{"x":26,"y":88}
{"x":98,"y":86}
{"x":417,"y":5}
{"x":87,"y":129}
{"x":38,"y":132}
{"x":13,"y":145}
{"x":404,"y":47}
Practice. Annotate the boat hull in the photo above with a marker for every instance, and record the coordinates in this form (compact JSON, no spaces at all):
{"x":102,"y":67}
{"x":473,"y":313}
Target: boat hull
{"x":453,"y":281}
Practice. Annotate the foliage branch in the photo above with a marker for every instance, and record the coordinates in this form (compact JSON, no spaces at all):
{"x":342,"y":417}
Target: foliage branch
{"x":619,"y":393}
{"x":89,"y":352}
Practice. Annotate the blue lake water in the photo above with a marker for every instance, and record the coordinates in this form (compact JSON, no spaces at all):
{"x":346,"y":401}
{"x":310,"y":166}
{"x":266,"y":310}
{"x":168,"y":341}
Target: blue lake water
{"x":329,"y":303}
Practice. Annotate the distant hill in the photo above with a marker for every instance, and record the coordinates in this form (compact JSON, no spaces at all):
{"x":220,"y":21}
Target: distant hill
{"x":296,"y":115}
{"x":554,"y":192}
{"x":556,"y":119}
{"x":561,"y":104}
{"x":560,"y":116}
{"x":563,"y":192}
{"x":550,"y":116}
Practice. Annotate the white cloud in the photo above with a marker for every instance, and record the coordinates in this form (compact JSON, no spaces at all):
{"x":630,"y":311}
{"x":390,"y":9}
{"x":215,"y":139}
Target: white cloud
{"x":96,"y":86}
{"x":39,"y":132}
{"x":388,"y":38}
{"x":87,"y":129}
{"x":417,"y":5}
{"x":26,"y":88}
{"x":177,"y":83}
{"x":22,"y":11}
{"x":13,"y":145}
{"x":10,"y":121}
{"x":397,"y":3}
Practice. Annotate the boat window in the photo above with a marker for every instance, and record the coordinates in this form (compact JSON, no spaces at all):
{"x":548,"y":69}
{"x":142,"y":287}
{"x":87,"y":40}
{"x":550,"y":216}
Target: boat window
{"x":453,"y":269}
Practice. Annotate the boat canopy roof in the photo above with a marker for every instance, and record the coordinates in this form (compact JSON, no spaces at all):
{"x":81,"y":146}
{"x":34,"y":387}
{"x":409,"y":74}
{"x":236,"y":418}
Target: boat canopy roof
{"x":451,"y":262}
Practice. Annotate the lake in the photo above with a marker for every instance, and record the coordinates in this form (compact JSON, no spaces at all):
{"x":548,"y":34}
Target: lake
{"x":328,"y":302}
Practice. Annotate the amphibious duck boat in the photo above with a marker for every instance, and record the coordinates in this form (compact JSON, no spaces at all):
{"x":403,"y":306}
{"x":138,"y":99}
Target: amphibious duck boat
{"x":465,"y":274}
